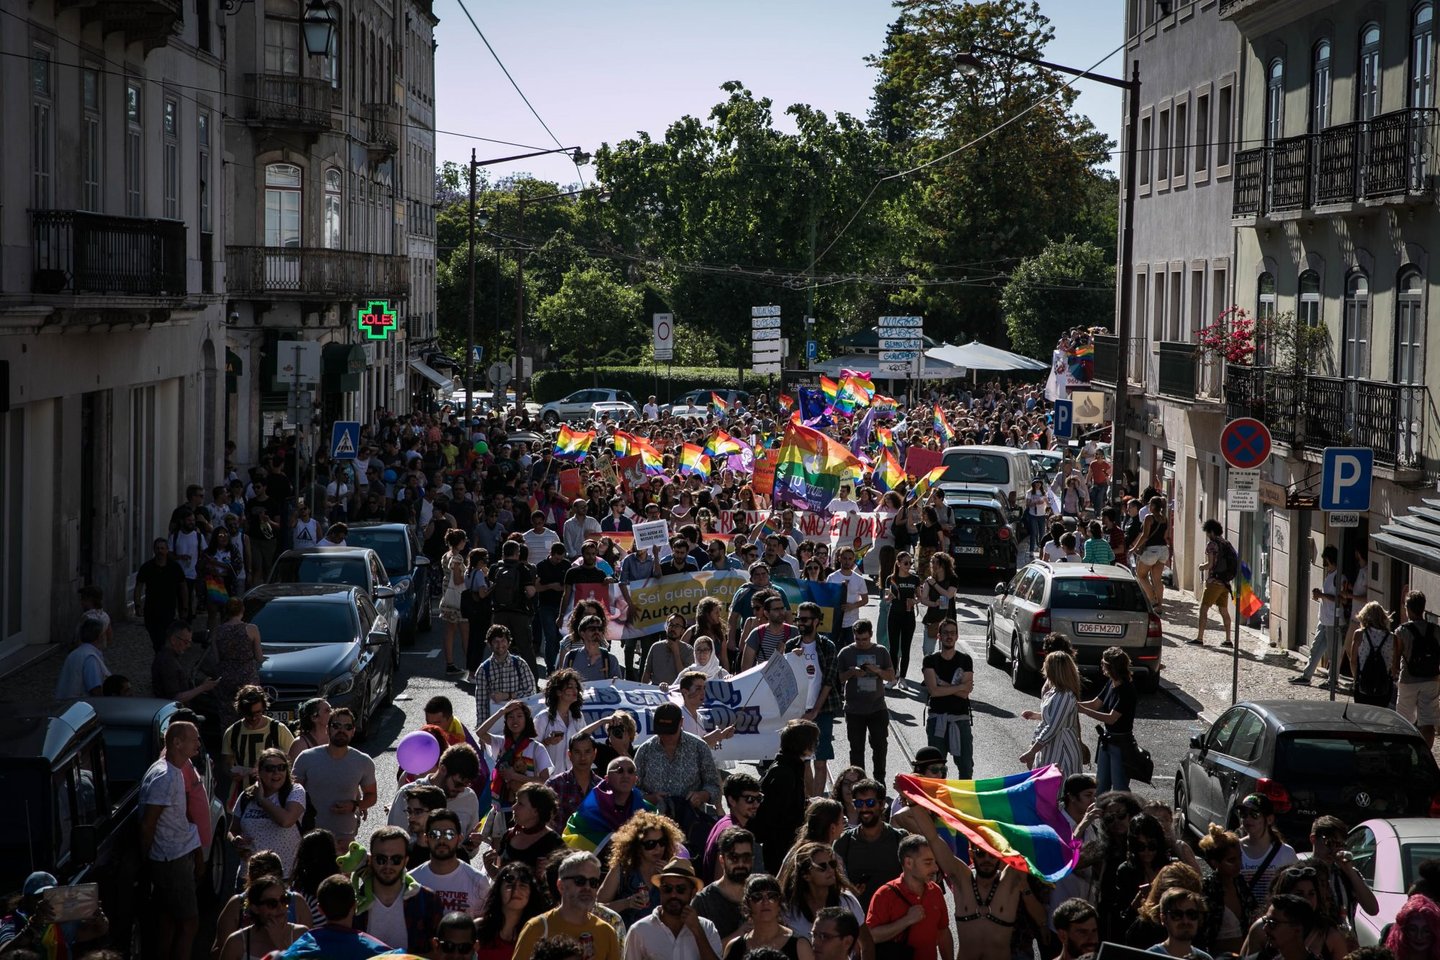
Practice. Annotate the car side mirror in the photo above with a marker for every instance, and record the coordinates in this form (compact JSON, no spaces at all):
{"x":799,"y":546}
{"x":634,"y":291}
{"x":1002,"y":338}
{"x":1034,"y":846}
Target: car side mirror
{"x":1000,"y":588}
{"x":384,"y":592}
{"x":84,"y":843}
{"x":422,"y":561}
{"x":377,"y":638}
{"x":1197,"y":742}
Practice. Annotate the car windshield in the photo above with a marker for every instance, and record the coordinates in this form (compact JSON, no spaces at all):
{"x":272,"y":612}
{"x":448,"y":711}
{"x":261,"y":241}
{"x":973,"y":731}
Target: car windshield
{"x":1411,"y":856}
{"x":1351,"y":757}
{"x":1097,"y":593}
{"x":974,"y":515}
{"x":318,"y":568}
{"x":976,"y":468}
{"x":297,"y":621}
{"x":390,"y":544}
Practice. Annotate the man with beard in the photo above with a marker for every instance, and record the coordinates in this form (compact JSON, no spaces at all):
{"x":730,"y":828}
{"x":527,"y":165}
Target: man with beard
{"x":339,"y":780}
{"x":1077,"y":924}
{"x":579,"y":883}
{"x":742,"y":799}
{"x":458,"y":767}
{"x":1181,"y":911}
{"x":910,"y":910}
{"x":418,"y":804}
{"x":674,"y":929}
{"x":949,"y":681}
{"x":987,"y":902}
{"x":824,"y":696}
{"x":459,"y":885}
{"x":391,"y":905}
{"x":720,"y":901}
{"x":870,"y":849}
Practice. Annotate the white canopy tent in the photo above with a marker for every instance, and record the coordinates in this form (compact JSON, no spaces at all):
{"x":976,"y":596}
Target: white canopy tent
{"x":979,"y":356}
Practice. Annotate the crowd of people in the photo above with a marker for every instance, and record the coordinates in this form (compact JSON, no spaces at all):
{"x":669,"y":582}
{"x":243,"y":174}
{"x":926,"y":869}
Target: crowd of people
{"x":537,"y":834}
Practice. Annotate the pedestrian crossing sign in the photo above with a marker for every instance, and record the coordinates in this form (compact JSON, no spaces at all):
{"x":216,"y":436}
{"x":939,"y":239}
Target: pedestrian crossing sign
{"x":344,"y":440}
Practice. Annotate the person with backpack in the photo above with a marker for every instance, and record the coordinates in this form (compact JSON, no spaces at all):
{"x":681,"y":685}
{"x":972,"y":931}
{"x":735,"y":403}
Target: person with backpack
{"x":1325,"y":642}
{"x":1370,"y":652}
{"x":503,"y":676}
{"x":512,"y":598}
{"x":1417,"y":646}
{"x":1221,"y":565}
{"x":242,"y":743}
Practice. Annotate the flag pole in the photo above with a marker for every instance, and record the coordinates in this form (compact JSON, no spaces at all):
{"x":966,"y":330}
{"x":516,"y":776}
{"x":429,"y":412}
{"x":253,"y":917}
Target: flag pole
{"x":1235,"y":643}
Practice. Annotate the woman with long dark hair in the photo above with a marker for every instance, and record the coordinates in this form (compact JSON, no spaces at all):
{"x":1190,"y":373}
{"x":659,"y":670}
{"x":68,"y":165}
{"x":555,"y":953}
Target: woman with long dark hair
{"x":813,"y":879}
{"x":1230,"y":906}
{"x":313,"y":863}
{"x":761,"y":906}
{"x":1147,"y":852}
{"x":518,"y":756}
{"x":560,"y":720}
{"x":902,"y":591}
{"x":314,"y":719}
{"x":236,"y":912}
{"x":937,"y":595}
{"x":266,"y":903}
{"x":515,"y":896}
{"x":1151,"y":549}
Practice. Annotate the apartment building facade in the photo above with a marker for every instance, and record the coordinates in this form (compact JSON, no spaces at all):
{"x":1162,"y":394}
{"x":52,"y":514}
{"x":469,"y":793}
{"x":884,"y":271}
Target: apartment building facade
{"x":112,"y":329}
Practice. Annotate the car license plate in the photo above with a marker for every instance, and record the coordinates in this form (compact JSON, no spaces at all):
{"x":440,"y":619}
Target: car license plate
{"x":1100,"y":629}
{"x":976,"y":550}
{"x":284,"y":716}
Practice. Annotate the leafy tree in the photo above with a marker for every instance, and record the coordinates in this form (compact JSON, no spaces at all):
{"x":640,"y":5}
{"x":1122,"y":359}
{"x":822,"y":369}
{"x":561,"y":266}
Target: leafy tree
{"x":1067,"y":284}
{"x":590,"y":317}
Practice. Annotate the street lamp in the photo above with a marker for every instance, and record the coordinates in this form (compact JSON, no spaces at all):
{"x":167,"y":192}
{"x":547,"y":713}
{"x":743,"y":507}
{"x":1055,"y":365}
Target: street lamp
{"x":319,"y":28}
{"x":969,"y":64}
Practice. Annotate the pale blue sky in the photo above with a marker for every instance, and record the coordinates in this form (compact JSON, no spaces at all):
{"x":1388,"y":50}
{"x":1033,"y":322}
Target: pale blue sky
{"x":598,"y":72}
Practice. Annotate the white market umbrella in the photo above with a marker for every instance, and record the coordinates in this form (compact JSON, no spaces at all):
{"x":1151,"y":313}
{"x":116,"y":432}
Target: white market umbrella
{"x":980,"y":356}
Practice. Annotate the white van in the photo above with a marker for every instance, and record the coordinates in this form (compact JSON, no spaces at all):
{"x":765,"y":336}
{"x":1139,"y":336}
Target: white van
{"x":987,"y":469}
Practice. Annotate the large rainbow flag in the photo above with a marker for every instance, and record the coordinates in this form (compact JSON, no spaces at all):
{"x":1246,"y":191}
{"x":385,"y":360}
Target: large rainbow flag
{"x":718,"y":402}
{"x":721,"y":443}
{"x":830,"y":388}
{"x":590,"y":826}
{"x":1245,"y":596}
{"x":888,"y":472}
{"x":573,"y":443}
{"x":693,"y":461}
{"x":942,"y":426}
{"x":1017,"y":818}
{"x":809,"y":468}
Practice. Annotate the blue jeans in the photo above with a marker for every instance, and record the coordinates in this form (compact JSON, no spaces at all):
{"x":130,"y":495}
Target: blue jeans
{"x":1324,"y":643}
{"x":1110,"y":768}
{"x":965,"y":759}
{"x":1035,"y":530}
{"x":547,"y":641}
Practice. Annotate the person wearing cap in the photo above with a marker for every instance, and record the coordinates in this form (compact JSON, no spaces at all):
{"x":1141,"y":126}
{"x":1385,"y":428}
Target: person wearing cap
{"x":676,"y":769}
{"x":30,"y":923}
{"x":1263,"y":852}
{"x":674,"y":930}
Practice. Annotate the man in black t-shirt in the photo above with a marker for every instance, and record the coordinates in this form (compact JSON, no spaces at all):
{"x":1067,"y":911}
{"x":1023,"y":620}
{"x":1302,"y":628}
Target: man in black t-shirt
{"x":949,"y":679}
{"x":550,"y":591}
{"x":159,"y":587}
{"x":583,"y":572}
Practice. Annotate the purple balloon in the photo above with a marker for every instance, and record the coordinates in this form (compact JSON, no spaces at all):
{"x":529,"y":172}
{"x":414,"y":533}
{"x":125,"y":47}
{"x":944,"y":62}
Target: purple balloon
{"x":417,"y":753}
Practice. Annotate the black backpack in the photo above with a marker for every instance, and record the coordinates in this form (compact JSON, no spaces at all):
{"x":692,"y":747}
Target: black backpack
{"x":1423,"y":657}
{"x":1374,"y":679}
{"x":1227,"y":562}
{"x":507,"y":592}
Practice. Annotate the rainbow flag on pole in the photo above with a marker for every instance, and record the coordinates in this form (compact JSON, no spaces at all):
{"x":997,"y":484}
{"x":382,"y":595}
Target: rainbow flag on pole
{"x":1245,"y":597}
{"x":718,"y":402}
{"x":627,"y":444}
{"x":830,"y":388}
{"x":809,"y":468}
{"x":694,"y":461}
{"x":787,"y":402}
{"x":888,"y":472}
{"x":721,"y":443}
{"x":922,"y":486}
{"x":1017,"y":818}
{"x":942,"y":426}
{"x":573,"y":443}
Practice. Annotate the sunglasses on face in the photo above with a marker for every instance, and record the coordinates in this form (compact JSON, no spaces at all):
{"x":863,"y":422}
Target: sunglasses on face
{"x":456,"y":946}
{"x":273,"y":768}
{"x":445,"y":834}
{"x":592,"y":882}
{"x":752,"y":797}
{"x":1277,"y":922}
{"x":676,"y":888}
{"x":652,"y":844}
{"x":342,"y":726}
{"x":818,"y":865}
{"x":864,"y":803}
{"x":392,"y":859}
{"x":938,"y":770}
{"x":764,"y":896}
{"x":270,"y":902}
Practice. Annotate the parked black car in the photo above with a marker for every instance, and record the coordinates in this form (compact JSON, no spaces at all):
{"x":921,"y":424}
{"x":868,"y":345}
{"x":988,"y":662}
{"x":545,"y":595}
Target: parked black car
{"x":1310,"y":758}
{"x":983,"y":538}
{"x":408,"y":567}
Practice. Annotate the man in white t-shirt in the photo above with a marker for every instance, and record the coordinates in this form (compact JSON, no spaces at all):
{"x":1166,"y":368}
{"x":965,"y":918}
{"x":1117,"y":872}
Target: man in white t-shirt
{"x":459,"y":765}
{"x":459,"y":885}
{"x":539,"y":537}
{"x":171,"y":845}
{"x":843,"y":503}
{"x":856,"y":590}
{"x":395,"y":907}
{"x":652,"y":409}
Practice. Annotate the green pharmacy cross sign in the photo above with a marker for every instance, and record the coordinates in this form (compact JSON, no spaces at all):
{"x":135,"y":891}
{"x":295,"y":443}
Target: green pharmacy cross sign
{"x":377,"y":319}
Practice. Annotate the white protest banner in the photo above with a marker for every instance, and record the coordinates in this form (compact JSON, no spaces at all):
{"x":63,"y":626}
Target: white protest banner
{"x":652,"y":533}
{"x":841,"y":529}
{"x":757,"y":703}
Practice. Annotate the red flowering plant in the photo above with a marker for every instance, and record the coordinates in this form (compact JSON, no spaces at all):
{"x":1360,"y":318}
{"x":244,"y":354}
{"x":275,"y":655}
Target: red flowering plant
{"x":1231,"y":337}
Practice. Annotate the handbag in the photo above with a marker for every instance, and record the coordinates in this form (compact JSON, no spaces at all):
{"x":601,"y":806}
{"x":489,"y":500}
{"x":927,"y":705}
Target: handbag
{"x":1139,"y":765}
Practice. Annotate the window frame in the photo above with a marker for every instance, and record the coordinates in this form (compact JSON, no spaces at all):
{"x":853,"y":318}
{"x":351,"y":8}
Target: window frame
{"x":1356,"y":319}
{"x":1322,"y":85}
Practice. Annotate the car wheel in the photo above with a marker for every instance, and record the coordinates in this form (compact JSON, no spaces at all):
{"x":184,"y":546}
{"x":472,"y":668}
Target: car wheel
{"x":1148,"y":682}
{"x":1182,"y":806}
{"x":394,"y":657}
{"x":993,"y":656}
{"x":424,"y":621}
{"x":1021,"y":676}
{"x":362,"y":718}
{"x":217,"y":888}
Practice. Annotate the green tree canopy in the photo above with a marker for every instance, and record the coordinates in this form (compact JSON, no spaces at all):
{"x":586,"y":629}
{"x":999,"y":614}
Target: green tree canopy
{"x":590,"y":317}
{"x":1067,"y":284}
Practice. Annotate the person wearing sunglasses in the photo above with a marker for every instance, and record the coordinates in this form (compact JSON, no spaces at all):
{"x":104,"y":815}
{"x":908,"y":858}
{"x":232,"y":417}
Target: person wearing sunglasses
{"x":870,"y":849}
{"x":266,"y":902}
{"x":1289,"y":921}
{"x":1263,"y":851}
{"x":1348,"y":888}
{"x":813,"y":879}
{"x":674,"y":929}
{"x":514,"y":898}
{"x":1181,"y":911}
{"x":579,"y":881}
{"x":339,"y":779}
{"x":391,"y":904}
{"x":742,"y":800}
{"x":762,"y":905}
{"x":836,"y":934}
{"x":1147,"y":853}
{"x":267,"y":813}
{"x":824,"y":694}
{"x":1326,"y":938}
{"x":637,"y":851}
{"x":459,"y":885}
{"x":456,"y":937}
{"x":892,"y":916}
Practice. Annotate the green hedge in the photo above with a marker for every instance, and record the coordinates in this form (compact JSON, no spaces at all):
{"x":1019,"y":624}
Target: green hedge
{"x":665,"y":382}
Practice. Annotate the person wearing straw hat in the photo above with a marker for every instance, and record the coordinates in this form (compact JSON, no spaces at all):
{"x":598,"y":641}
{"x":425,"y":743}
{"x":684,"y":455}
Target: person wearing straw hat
{"x":674,"y":929}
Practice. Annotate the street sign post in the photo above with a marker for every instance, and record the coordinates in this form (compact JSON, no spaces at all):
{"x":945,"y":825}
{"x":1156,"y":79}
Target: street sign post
{"x":767,"y":353}
{"x":477,"y":355}
{"x":1345,"y":477}
{"x":1245,"y":443}
{"x":902,"y":345}
{"x":664,"y":331}
{"x":1064,"y":419}
{"x":498,"y":374}
{"x":344,"y":439}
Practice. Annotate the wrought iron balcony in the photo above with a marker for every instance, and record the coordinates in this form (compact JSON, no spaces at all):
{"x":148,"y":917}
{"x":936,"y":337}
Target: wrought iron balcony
{"x":314,"y":273}
{"x":1289,"y":175}
{"x":1249,"y":183}
{"x":1400,"y":152}
{"x":151,"y":22}
{"x":290,"y":102}
{"x":1178,"y":369}
{"x":1336,"y":152}
{"x":382,"y":126}
{"x":89,"y":253}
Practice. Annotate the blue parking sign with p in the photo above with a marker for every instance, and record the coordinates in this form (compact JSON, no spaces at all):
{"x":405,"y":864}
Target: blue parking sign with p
{"x":344,"y":440}
{"x":1064,"y":418}
{"x":1345,"y":477}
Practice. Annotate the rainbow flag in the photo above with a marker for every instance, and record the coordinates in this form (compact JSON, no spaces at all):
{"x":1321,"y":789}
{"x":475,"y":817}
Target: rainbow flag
{"x":922,"y":486}
{"x":859,"y":383}
{"x":573,"y":443}
{"x":888,"y":472}
{"x":1245,"y":597}
{"x":718,"y":402}
{"x":621,"y":442}
{"x":720,"y":443}
{"x":649,"y":457}
{"x":693,"y":461}
{"x":942,"y":426}
{"x":590,"y":826}
{"x":809,"y":468}
{"x":787,"y":402}
{"x":884,"y":404}
{"x":886,"y":437}
{"x":830,"y":388}
{"x":1016,"y":818}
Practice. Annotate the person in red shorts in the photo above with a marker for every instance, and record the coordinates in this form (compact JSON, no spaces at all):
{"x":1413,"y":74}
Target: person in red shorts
{"x":910,"y":909}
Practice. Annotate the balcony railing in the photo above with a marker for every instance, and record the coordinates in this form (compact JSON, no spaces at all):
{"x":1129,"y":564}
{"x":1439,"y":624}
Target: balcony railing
{"x":314,"y":273}
{"x":1390,"y":418}
{"x":1178,"y":368}
{"x":1107,"y":358}
{"x":382,"y":126}
{"x":152,"y":22}
{"x":284,"y":100}
{"x":1393,"y":155}
{"x":88,"y":253}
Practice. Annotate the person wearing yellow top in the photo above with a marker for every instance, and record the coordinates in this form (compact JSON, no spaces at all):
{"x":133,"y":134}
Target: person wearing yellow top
{"x":579,"y":886}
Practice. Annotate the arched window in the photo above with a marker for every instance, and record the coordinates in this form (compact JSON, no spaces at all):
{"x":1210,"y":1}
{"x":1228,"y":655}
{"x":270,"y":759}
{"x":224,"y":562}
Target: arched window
{"x":1410,"y":327}
{"x":1422,"y":56}
{"x":330,"y":225}
{"x":1355,"y":345}
{"x":283,"y":192}
{"x":1310,"y":299}
{"x":1320,"y":88}
{"x":1265,"y":307}
{"x":1367,"y":81}
{"x":1275,"y":101}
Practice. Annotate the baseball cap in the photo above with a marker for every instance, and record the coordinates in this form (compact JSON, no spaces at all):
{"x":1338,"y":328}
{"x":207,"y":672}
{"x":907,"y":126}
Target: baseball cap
{"x":38,"y":882}
{"x":928,"y":755}
{"x":1258,"y":803}
{"x":667,"y":718}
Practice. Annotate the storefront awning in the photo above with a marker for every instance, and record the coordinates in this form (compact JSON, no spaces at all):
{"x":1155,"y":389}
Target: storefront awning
{"x":341,"y":365}
{"x":437,"y":379}
{"x":1413,"y":537}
